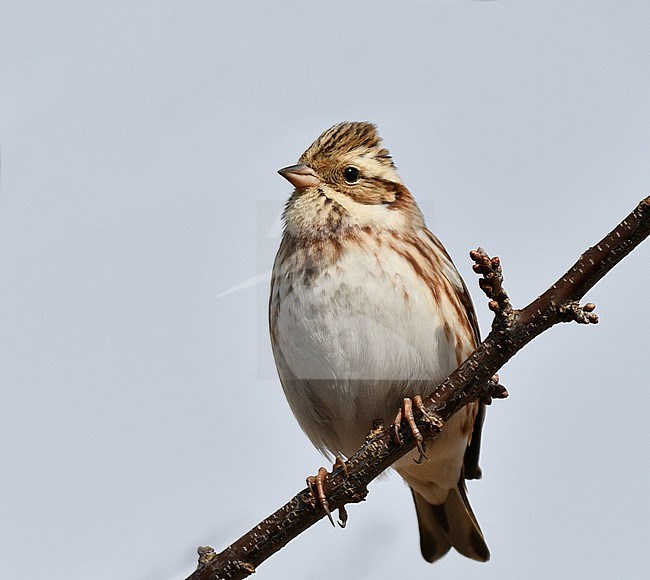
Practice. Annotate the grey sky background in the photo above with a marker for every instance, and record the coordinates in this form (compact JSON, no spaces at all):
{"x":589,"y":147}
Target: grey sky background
{"x":141,"y":415}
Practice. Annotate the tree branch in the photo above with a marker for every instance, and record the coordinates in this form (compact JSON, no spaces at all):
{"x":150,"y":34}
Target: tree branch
{"x":475,"y":378}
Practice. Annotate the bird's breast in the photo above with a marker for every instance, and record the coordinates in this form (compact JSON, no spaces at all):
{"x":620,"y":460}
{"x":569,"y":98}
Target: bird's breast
{"x":364,"y":318}
{"x":353,"y":338}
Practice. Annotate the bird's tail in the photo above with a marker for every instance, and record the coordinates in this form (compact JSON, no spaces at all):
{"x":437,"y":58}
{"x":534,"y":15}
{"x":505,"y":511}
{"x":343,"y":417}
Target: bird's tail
{"x":450,"y":525}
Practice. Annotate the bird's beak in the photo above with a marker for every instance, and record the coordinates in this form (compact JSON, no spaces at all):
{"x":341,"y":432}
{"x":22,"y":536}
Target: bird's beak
{"x":300,"y":175}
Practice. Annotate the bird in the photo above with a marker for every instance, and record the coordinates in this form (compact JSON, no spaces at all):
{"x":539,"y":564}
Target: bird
{"x":367,"y":310}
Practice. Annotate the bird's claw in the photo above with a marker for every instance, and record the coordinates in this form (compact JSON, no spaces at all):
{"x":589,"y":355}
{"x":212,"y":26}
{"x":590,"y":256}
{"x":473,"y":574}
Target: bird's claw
{"x":316,"y":484}
{"x":405,"y":412}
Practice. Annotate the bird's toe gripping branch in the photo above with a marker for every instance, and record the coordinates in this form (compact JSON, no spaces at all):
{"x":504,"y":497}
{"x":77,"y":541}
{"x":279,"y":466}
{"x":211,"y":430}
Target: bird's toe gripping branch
{"x":316,"y":484}
{"x":407,"y":413}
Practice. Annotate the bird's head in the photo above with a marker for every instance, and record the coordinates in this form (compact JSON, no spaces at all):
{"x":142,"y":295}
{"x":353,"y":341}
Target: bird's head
{"x":347,"y":179}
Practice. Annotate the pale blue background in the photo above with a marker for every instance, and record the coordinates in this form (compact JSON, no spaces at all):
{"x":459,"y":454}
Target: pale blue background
{"x":139,"y":206}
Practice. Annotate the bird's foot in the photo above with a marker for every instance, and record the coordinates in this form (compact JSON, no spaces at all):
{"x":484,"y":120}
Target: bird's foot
{"x":316,"y":484}
{"x":405,"y":413}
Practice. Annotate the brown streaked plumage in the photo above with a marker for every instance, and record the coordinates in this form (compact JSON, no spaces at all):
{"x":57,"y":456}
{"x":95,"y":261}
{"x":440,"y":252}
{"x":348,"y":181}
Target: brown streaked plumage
{"x":366,"y":309}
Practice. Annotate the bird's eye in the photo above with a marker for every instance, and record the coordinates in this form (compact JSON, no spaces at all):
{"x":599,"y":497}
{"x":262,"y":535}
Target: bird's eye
{"x":351,"y":174}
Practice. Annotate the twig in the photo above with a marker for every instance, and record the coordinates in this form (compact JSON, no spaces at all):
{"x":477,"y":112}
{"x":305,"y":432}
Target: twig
{"x":475,"y":378}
